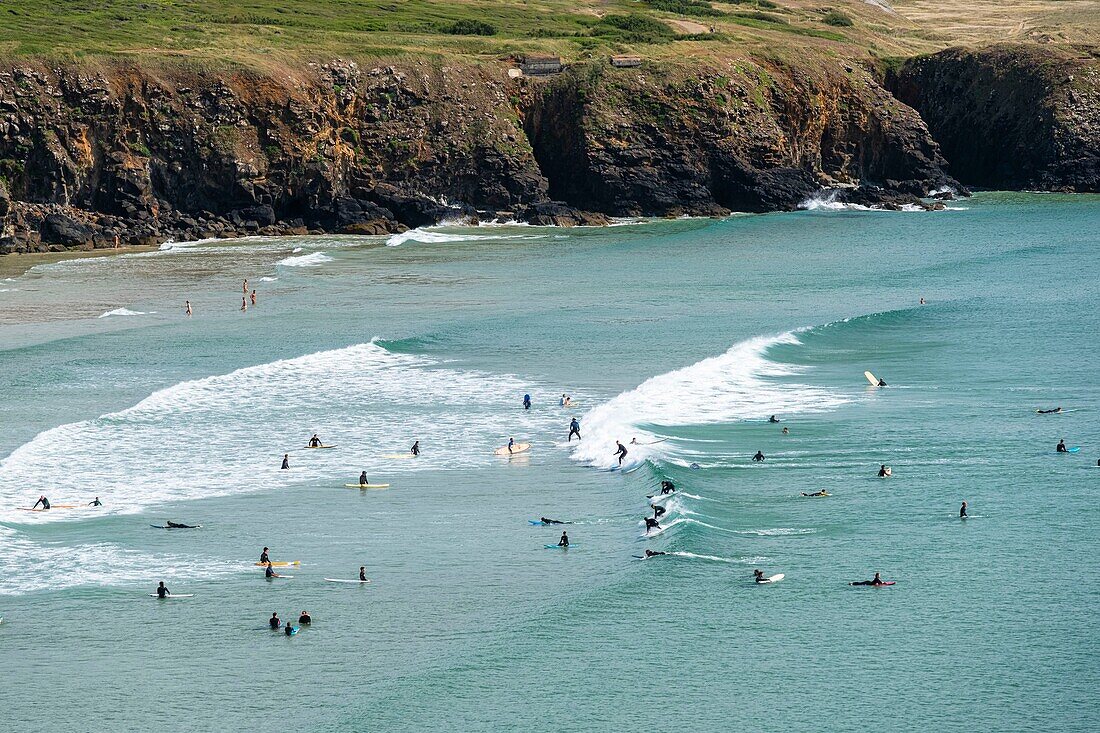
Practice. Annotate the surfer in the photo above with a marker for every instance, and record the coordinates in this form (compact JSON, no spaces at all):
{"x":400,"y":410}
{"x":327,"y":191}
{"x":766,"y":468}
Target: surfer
{"x":653,"y":553}
{"x":305,"y":619}
{"x":962,"y":511}
{"x":511,"y":444}
{"x":269,"y":572}
{"x":416,"y":448}
{"x":922,"y":301}
{"x":286,"y":462}
{"x":621,"y":452}
{"x":758,"y":576}
{"x":176,"y":525}
{"x":290,"y":630}
{"x":817,"y":493}
{"x":274,"y":621}
{"x":1049,"y":412}
{"x":759,"y":457}
{"x":527,"y":402}
{"x":1061,"y":448}
{"x":773,"y":418}
{"x":252,"y":297}
{"x":564,"y":541}
{"x":885,"y":471}
{"x":263,"y":556}
{"x":315,"y":442}
{"x":574,"y":429}
{"x":363,"y":573}
{"x":786,"y":431}
{"x":162,"y":591}
{"x":658,"y":510}
{"x":43,"y":501}
{"x":95,"y":502}
{"x":544,"y":520}
{"x":873,"y":581}
{"x":651,"y":524}
{"x":187,"y":306}
{"x":667,"y":487}
{"x":881,"y":382}
{"x":363,"y":479}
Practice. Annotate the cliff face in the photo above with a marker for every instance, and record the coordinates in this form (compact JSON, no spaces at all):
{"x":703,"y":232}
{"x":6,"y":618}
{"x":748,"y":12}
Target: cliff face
{"x":1010,"y":116}
{"x":743,"y":136}
{"x":114,"y":154}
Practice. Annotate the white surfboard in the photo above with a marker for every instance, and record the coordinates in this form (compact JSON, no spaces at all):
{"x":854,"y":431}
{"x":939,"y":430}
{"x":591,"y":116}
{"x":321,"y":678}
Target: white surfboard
{"x":343,"y":580}
{"x":174,"y":595}
{"x":871,"y":378}
{"x":773,"y":578}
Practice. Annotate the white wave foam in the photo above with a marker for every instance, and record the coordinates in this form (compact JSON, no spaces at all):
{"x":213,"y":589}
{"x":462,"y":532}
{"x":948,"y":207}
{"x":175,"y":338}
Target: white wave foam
{"x":27,"y":566}
{"x":777,"y":532}
{"x":432,"y":235}
{"x":227,"y":434}
{"x":268,"y":279}
{"x":310,"y":260}
{"x":123,"y":312}
{"x":733,"y":386}
{"x":756,"y":560}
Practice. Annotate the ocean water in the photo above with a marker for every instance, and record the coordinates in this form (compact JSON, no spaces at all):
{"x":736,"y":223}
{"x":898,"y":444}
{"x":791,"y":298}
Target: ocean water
{"x":682,"y":335}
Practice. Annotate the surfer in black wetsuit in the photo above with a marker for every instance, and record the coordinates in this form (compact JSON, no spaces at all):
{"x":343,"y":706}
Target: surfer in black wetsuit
{"x":544,"y":520}
{"x":758,"y":576}
{"x":263,"y":556}
{"x":43,"y":501}
{"x":362,"y":572}
{"x":653,"y":553}
{"x":269,"y":572}
{"x":874,"y":581}
{"x":289,"y":630}
{"x":621,"y":452}
{"x":527,"y":402}
{"x":177,"y":525}
{"x":416,"y":448}
{"x":163,"y":592}
{"x":884,"y":471}
{"x":773,"y":418}
{"x":574,"y":429}
{"x":511,"y":444}
{"x":363,"y":479}
{"x":759,"y":456}
{"x":286,"y":462}
{"x":881,"y":382}
{"x":651,"y":524}
{"x":667,"y":487}
{"x":1061,"y":448}
{"x":305,"y":619}
{"x":564,"y":541}
{"x":274,"y":621}
{"x":95,"y":502}
{"x":658,"y":510}
{"x":315,"y":442}
{"x":817,"y":493}
{"x":962,"y":511}
{"x":1048,"y":412}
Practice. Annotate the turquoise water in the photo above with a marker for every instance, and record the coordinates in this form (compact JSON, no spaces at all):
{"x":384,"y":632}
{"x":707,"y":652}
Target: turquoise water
{"x":690,"y":332}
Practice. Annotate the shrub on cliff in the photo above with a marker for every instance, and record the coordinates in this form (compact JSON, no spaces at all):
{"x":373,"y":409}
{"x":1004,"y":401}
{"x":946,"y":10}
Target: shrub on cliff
{"x":685,"y":7}
{"x":633,"y":27}
{"x":470,"y":28}
{"x":837,"y":18}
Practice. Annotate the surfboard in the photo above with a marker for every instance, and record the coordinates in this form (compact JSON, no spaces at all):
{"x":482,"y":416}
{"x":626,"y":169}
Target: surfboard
{"x":319,"y":447}
{"x":293,"y":631}
{"x":871,"y":378}
{"x":52,"y":506}
{"x":559,"y":547}
{"x":398,"y":455}
{"x":342,"y":580}
{"x":165,"y":526}
{"x":517,"y":448}
{"x":771,"y":579}
{"x":1074,"y":449}
{"x":366,"y":486}
{"x":174,"y":595}
{"x":872,"y":585}
{"x":281,"y":564}
{"x":279,"y":577}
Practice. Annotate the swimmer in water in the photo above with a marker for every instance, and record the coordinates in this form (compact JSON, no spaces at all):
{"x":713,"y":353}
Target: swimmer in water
{"x":527,"y":402}
{"x":252,"y":297}
{"x":305,"y":619}
{"x":244,"y":304}
{"x":786,"y":431}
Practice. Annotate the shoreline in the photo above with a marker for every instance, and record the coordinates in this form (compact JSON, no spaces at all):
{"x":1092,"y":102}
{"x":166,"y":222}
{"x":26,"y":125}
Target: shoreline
{"x":17,"y":264}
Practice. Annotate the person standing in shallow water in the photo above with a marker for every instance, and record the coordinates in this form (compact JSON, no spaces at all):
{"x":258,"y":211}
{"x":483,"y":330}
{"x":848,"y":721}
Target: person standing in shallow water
{"x":253,"y":297}
{"x":244,"y":288}
{"x":286,"y":462}
{"x":187,"y":306}
{"x":962,"y":511}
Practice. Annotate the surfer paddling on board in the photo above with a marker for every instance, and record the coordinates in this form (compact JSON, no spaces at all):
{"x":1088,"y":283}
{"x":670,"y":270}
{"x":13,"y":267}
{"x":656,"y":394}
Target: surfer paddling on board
{"x":758,"y":576}
{"x":574,"y":429}
{"x":962,"y":511}
{"x":564,"y":541}
{"x":759,"y":457}
{"x":416,"y":448}
{"x":162,"y":591}
{"x":315,"y":442}
{"x":653,"y":553}
{"x":363,"y":573}
{"x":363,"y":479}
{"x":816,"y":493}
{"x":877,"y":580}
{"x":621,"y":452}
{"x":177,"y":525}
{"x":43,"y":501}
{"x":1061,"y":448}
{"x":286,"y":462}
{"x":544,"y":520}
{"x":1049,"y":412}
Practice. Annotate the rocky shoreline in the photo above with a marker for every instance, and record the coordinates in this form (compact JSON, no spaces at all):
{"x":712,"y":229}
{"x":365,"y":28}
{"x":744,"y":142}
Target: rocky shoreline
{"x":111,"y":154}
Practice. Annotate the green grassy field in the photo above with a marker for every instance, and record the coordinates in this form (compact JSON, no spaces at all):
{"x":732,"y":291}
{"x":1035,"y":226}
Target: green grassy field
{"x":268,"y":33}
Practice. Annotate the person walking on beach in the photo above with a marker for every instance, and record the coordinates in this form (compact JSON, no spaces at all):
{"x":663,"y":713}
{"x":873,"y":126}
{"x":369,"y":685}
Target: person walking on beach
{"x":187,"y":305}
{"x":621,"y":452}
{"x":286,"y":462}
{"x":574,"y":429}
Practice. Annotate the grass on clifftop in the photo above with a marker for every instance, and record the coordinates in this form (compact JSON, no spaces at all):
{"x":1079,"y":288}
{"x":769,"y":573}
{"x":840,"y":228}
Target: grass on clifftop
{"x":264,"y":33}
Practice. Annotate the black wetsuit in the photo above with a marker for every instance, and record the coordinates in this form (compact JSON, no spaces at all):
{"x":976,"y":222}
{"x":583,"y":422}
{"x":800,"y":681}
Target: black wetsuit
{"x":363,"y":479}
{"x":574,"y":429}
{"x":544,"y":520}
{"x":269,"y":572}
{"x":314,"y":442}
{"x":658,"y":511}
{"x":97,"y":502}
{"x":264,"y":557}
{"x":621,"y":453}
{"x":758,"y":457}
{"x":286,"y":463}
{"x":527,"y":402}
{"x":275,"y":622}
{"x":362,"y":575}
{"x":416,"y":448}
{"x":667,"y":487}
{"x":174,"y":525}
{"x":162,"y":592}
{"x":962,"y":512}
{"x":564,"y":541}
{"x":305,"y":619}
{"x":1061,"y":448}
{"x":651,"y":524}
{"x":43,"y":501}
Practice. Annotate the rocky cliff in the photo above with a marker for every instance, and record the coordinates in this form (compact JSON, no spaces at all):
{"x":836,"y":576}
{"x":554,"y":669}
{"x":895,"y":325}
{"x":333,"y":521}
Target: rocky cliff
{"x":1011,"y":116}
{"x":106,"y":154}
